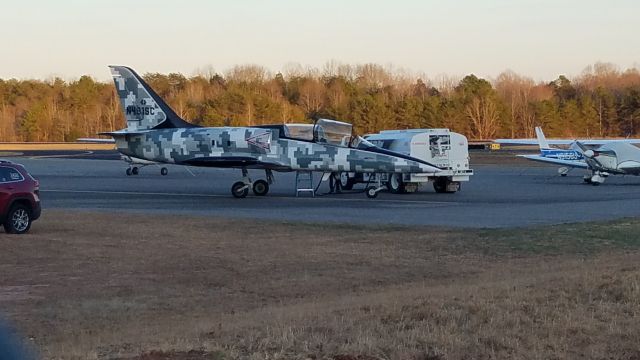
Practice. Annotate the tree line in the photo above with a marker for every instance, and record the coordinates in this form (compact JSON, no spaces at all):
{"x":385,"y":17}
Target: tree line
{"x":603,"y":101}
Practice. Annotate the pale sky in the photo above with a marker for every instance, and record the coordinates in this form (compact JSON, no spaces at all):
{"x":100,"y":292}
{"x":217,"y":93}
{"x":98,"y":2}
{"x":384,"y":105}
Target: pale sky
{"x":536,"y":38}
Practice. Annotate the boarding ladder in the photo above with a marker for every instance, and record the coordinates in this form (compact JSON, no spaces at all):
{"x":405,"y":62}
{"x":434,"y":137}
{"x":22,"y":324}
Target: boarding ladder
{"x":304,"y":182}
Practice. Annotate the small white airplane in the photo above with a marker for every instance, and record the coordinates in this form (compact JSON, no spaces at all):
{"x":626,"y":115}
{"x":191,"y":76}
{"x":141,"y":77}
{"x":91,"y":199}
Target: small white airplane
{"x":603,"y":157}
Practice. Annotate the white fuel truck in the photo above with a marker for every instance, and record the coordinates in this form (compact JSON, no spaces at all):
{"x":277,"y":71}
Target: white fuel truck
{"x":440,"y":147}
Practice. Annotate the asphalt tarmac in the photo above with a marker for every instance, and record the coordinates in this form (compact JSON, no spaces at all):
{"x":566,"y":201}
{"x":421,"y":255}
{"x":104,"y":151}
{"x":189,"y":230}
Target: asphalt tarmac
{"x":505,"y":194}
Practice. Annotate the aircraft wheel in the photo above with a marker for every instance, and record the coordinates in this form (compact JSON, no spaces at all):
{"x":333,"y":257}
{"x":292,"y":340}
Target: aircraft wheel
{"x":260,"y":187}
{"x":238,"y":191}
{"x":395,"y":184}
{"x":597,"y":180}
{"x":135,"y":170}
{"x":164,"y":171}
{"x":346,"y":183}
{"x":371,"y":192}
{"x":129,"y":173}
{"x":563,"y":175}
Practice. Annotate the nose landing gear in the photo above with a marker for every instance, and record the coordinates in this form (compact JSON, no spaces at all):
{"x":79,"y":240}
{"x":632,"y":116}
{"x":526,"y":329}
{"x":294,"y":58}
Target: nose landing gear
{"x":372,"y":191}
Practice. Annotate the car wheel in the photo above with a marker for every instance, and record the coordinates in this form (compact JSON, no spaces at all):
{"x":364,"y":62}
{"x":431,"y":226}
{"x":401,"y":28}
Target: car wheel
{"x":18,"y":220}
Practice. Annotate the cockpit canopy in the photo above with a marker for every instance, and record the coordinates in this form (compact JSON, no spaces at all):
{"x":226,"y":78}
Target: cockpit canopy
{"x":325,"y":131}
{"x":298,"y":131}
{"x":332,"y":132}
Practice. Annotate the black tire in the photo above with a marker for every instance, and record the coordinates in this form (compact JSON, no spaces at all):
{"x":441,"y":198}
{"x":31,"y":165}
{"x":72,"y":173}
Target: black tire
{"x":135,"y":170}
{"x":164,"y":171}
{"x":395,"y":184}
{"x":128,"y":172}
{"x":260,"y":187}
{"x":346,"y":182}
{"x":237,"y":193}
{"x":371,"y":192}
{"x":18,"y":220}
{"x":440,"y":185}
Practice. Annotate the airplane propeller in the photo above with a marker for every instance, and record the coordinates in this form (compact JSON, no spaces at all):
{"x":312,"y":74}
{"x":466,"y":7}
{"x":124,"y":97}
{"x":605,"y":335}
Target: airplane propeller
{"x":591,"y":155}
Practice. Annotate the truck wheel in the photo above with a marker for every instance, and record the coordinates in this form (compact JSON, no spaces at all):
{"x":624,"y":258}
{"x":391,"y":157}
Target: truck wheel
{"x":440,"y":185}
{"x":18,"y":220}
{"x":395,"y":184}
{"x":346,"y":182}
{"x":444,"y":185}
{"x":457,"y":184}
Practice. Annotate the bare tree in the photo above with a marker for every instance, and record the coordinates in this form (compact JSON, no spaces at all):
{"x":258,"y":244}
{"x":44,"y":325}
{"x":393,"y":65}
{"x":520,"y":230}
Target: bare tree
{"x":515,"y":90}
{"x":311,"y":95}
{"x":484,"y":116}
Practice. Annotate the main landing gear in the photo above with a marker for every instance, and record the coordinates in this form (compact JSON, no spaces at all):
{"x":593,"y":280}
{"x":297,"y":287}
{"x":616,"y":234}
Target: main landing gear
{"x":596,"y":178}
{"x":135,"y":170}
{"x":240,"y":189}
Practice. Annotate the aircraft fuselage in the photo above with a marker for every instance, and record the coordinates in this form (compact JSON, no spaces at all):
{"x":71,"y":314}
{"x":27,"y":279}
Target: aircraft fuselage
{"x":256,"y":147}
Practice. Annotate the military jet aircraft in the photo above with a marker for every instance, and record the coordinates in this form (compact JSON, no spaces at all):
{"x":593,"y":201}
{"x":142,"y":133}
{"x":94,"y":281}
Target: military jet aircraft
{"x":603,"y":157}
{"x":156,"y":133}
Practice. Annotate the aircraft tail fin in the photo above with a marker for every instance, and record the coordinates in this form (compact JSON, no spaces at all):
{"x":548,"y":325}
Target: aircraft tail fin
{"x":542,"y":140}
{"x":143,"y":108}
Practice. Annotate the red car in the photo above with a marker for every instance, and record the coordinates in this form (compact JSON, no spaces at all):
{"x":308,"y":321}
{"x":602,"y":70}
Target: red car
{"x":19,"y":198}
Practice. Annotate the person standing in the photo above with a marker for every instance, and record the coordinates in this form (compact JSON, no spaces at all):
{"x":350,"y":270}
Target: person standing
{"x":334,"y":183}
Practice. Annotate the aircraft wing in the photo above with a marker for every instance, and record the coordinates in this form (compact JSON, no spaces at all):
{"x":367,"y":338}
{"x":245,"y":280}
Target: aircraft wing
{"x":123,"y":132}
{"x":592,"y":142}
{"x":96,"y":140}
{"x":234,"y":162}
{"x":569,"y":163}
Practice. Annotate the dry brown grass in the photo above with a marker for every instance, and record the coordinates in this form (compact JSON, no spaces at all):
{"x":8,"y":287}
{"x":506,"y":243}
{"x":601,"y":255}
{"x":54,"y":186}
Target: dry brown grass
{"x":106,"y":286}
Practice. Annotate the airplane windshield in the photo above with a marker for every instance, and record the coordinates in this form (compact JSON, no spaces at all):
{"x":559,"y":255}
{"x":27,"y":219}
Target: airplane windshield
{"x":299,"y":131}
{"x":358,"y":142}
{"x":332,"y":132}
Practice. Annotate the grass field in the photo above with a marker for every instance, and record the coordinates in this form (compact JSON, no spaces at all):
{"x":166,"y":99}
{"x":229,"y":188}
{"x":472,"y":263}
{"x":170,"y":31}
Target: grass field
{"x":132,"y":286}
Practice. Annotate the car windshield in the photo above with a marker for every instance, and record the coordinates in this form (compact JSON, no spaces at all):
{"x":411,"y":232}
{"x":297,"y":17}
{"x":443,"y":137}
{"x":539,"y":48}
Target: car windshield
{"x":332,"y":132}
